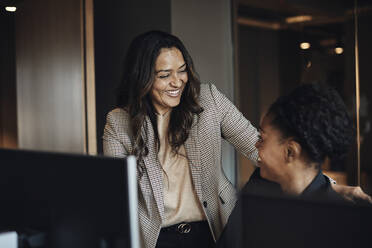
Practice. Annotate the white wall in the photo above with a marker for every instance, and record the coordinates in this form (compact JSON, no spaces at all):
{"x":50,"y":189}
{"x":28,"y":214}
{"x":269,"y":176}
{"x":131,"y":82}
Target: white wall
{"x":206,"y":30}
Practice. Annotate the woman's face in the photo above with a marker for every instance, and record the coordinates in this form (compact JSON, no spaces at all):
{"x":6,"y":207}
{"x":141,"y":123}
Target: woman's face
{"x":272,"y":152}
{"x":170,"y":79}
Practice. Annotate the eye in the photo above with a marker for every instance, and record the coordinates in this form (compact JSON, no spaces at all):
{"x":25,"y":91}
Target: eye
{"x":260,"y":138}
{"x":164,"y":76}
{"x":182,"y":71}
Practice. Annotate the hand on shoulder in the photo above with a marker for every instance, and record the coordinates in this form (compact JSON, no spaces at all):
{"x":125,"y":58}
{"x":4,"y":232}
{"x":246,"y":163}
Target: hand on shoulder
{"x":352,"y":193}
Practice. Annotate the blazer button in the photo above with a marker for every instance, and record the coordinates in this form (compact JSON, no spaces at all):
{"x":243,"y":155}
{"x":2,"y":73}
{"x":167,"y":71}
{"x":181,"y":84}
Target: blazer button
{"x":205,"y":204}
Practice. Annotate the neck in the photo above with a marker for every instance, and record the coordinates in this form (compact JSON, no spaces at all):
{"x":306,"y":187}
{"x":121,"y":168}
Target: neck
{"x":163,"y":112}
{"x":298,"y":179}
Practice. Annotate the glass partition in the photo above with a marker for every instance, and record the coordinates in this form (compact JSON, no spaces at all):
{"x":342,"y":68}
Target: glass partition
{"x":282,"y":44}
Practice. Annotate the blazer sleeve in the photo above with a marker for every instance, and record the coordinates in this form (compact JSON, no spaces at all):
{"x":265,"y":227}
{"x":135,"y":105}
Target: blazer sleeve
{"x":115,"y":135}
{"x":235,"y":128}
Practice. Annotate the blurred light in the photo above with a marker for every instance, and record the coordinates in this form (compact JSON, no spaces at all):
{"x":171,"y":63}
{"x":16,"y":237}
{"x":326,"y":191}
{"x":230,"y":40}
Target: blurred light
{"x":305,"y":45}
{"x":309,"y":64}
{"x":339,"y":50}
{"x":10,"y":8}
{"x":298,"y":19}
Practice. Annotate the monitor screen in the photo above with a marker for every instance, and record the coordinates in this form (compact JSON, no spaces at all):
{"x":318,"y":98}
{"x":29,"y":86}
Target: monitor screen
{"x":78,"y":200}
{"x":264,"y":221}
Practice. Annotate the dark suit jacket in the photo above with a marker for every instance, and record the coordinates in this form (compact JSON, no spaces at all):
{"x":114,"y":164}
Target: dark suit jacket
{"x":319,"y":190}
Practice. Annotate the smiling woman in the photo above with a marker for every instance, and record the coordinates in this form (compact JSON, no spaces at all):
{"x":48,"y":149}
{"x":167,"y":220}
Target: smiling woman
{"x":170,"y":80}
{"x":298,"y":133}
{"x":174,"y":125}
{"x":158,"y":76}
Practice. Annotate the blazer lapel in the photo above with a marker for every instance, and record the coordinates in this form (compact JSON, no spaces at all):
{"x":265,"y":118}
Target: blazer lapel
{"x":153,"y":166}
{"x":192,"y":148}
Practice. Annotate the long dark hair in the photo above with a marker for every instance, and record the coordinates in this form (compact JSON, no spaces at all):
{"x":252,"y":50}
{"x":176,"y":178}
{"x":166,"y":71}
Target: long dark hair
{"x":137,"y":82}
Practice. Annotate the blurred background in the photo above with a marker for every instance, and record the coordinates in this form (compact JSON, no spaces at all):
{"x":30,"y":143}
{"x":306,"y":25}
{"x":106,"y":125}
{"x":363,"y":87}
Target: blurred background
{"x":61,"y":61}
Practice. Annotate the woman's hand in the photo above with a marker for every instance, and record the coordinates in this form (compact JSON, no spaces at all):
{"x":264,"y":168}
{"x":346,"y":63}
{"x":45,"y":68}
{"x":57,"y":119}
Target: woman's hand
{"x":352,"y":193}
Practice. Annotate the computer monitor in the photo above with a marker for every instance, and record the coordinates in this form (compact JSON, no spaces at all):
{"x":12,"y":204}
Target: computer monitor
{"x":78,"y":200}
{"x":261,"y":220}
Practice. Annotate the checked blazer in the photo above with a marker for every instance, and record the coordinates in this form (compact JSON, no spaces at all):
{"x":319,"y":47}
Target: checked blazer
{"x":219,"y":120}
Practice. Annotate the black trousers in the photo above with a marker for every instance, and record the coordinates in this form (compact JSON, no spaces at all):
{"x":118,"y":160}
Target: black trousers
{"x":186,"y":235}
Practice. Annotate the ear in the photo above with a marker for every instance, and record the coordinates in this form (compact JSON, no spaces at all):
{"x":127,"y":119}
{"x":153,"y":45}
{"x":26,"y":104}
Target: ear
{"x":293,"y":150}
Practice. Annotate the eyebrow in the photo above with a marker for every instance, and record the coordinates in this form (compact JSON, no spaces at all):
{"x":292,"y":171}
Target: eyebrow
{"x":168,"y":70}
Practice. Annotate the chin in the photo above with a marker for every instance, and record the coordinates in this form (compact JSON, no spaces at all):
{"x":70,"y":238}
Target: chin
{"x":173,"y":104}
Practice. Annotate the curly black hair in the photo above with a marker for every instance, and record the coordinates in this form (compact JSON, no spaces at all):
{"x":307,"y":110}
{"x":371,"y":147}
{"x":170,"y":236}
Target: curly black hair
{"x":316,"y":117}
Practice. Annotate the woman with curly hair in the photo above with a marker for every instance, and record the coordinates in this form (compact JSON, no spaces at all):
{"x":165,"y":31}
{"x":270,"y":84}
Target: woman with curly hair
{"x":298,"y":133}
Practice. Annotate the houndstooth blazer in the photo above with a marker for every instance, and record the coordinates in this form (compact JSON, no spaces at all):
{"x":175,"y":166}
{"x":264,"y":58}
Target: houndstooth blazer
{"x":220,"y":119}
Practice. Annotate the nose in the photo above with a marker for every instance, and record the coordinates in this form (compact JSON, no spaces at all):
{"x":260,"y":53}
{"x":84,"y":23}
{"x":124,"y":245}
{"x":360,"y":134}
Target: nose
{"x":176,"y":81}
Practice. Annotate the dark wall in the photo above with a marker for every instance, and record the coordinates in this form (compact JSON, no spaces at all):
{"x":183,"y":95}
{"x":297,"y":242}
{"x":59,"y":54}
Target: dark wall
{"x":365,"y":55}
{"x":248,"y":74}
{"x":258,"y":71}
{"x":115,"y":25}
{"x":8,"y":100}
{"x":290,"y":65}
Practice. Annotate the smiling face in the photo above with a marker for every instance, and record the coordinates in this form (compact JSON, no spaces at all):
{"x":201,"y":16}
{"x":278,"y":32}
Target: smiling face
{"x":170,"y":79}
{"x":272,"y":152}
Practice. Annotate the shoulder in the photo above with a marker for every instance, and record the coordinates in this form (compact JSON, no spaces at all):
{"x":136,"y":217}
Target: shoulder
{"x":208,"y":90}
{"x":119,"y":118}
{"x":210,"y":95}
{"x":330,"y":194}
{"x":118,"y":114}
{"x":207,"y":101}
{"x":258,"y":185}
{"x":205,"y":88}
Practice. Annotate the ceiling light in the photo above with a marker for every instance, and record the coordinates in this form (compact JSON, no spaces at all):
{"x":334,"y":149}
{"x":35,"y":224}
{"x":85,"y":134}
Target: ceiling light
{"x":298,"y":19}
{"x":305,"y":45}
{"x":339,"y":50}
{"x":10,"y":8}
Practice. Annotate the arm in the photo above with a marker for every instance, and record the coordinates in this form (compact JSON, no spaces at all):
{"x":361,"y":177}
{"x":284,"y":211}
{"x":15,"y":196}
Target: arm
{"x":115,"y":140}
{"x":235,"y":128}
{"x":352,"y":193}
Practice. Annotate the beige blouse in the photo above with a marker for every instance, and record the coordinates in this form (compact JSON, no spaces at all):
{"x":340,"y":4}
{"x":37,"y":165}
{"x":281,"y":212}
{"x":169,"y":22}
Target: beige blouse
{"x":181,"y":203}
